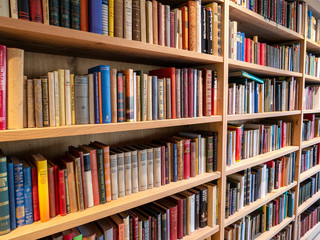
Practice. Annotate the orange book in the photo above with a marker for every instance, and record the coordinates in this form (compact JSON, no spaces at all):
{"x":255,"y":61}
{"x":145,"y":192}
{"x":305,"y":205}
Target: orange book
{"x":185,"y":34}
{"x":43,"y":188}
{"x":120,"y":225}
{"x":114,"y":99}
{"x":261,"y":100}
{"x":155,"y":21}
{"x":192,"y":24}
{"x":84,"y":15}
{"x":100,"y":98}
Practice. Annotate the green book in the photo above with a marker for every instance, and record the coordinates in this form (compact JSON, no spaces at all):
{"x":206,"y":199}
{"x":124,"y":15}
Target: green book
{"x":100,"y":165}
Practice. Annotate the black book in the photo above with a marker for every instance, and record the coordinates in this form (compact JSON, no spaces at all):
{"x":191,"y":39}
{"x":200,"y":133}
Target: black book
{"x":209,"y":30}
{"x":203,"y":206}
{"x":203,"y":30}
{"x":23,"y":6}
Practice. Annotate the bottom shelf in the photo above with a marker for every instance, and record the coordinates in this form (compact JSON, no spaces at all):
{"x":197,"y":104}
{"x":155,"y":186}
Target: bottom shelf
{"x":202,"y":233}
{"x":312,"y":233}
{"x":308,"y":203}
{"x":276,"y":229}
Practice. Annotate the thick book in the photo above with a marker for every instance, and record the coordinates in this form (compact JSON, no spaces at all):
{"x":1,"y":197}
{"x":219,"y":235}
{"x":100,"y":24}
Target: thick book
{"x":4,"y":197}
{"x":12,"y":200}
{"x":54,"y":12}
{"x":65,"y":13}
{"x":84,"y":22}
{"x":95,"y":16}
{"x":118,"y":21}
{"x":75,"y":14}
{"x":35,"y":8}
{"x":3,"y":89}
{"x":24,"y":11}
{"x":81,"y":100}
{"x":87,"y":231}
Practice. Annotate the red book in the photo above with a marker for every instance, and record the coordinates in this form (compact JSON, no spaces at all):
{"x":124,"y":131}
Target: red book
{"x":35,"y":8}
{"x":78,"y":153}
{"x":84,"y":15}
{"x":258,"y":53}
{"x":186,"y":158}
{"x":262,"y":54}
{"x":179,"y":201}
{"x":276,"y":208}
{"x":52,"y":197}
{"x":185,"y":93}
{"x":283,"y":134}
{"x":247,"y":50}
{"x":67,"y":234}
{"x":238,"y":130}
{"x":174,"y":223}
{"x":62,"y":193}
{"x":168,"y":73}
{"x":163,"y":165}
{"x":3,"y":87}
{"x":207,"y":92}
{"x":172,"y":42}
{"x":193,"y":158}
{"x":35,"y":196}
{"x":135,"y":223}
{"x":191,"y":90}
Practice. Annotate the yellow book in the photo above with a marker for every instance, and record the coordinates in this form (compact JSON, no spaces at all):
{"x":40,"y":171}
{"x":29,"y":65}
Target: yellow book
{"x":73,"y":106}
{"x":62,"y":109}
{"x":111,"y":18}
{"x":43,"y":188}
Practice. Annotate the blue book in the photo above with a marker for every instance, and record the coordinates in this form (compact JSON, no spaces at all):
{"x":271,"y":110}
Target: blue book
{"x":27,"y":185}
{"x":4,"y":196}
{"x":239,"y":46}
{"x":19,"y":191}
{"x":175,"y":162}
{"x":154,"y":97}
{"x":285,"y":203}
{"x":12,"y":198}
{"x":309,"y":23}
{"x":243,"y":46}
{"x":105,"y":91}
{"x":96,"y":97}
{"x":95,"y":16}
{"x":256,"y":98}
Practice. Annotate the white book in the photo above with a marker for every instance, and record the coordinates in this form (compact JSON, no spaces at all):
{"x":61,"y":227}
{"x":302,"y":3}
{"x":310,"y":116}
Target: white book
{"x":212,"y":204}
{"x":62,"y":107}
{"x":88,"y":183}
{"x":114,"y":176}
{"x":56,"y":98}
{"x":134,"y":170}
{"x":142,"y":167}
{"x":67,"y":91}
{"x":127,"y":21}
{"x":157,"y":165}
{"x":134,"y":96}
{"x":199,"y":39}
{"x":143,"y":20}
{"x":127,"y":170}
{"x":149,"y":25}
{"x":150,"y":182}
{"x":91,"y":99}
{"x":52,"y":109}
{"x":176,"y":27}
{"x":121,"y":178}
{"x":203,"y":155}
{"x":192,"y":213}
{"x":13,"y":9}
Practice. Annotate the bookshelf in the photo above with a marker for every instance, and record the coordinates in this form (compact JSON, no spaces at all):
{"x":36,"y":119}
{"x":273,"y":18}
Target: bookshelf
{"x":312,"y":233}
{"x":43,"y":39}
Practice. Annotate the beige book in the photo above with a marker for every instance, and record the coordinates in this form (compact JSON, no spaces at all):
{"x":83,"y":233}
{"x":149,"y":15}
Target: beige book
{"x":4,"y":8}
{"x":52,"y":110}
{"x":127,"y":19}
{"x":15,"y":63}
{"x":143,"y":30}
{"x":144,"y":97}
{"x":149,"y":23}
{"x":62,"y":108}
{"x":113,"y":83}
{"x":56,"y":98}
{"x":25,"y":100}
{"x":180,"y":29}
{"x":176,"y":27}
{"x":163,"y":19}
{"x":73,"y":105}
{"x":149,"y":98}
{"x":67,"y":96}
{"x":45,"y":11}
{"x":91,"y":99}
{"x":30,"y":103}
{"x":14,"y":9}
{"x":38,"y":102}
{"x":212,"y":204}
{"x":199,"y":39}
{"x":138,"y":99}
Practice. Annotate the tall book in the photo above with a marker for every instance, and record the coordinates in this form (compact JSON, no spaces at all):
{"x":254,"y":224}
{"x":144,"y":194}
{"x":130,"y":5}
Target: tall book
{"x":81,"y":100}
{"x":35,"y":8}
{"x":27,"y":187}
{"x":95,"y":16}
{"x":3,"y":87}
{"x":23,"y":7}
{"x":4,"y":197}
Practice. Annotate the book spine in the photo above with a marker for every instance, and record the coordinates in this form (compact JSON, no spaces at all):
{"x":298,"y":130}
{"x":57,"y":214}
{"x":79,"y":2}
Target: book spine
{"x":12,"y":201}
{"x":113,"y":83}
{"x":161,"y":99}
{"x":130,"y":95}
{"x":52,"y":204}
{"x":65,"y":13}
{"x":4,"y":198}
{"x":192,"y":25}
{"x":193,"y":159}
{"x":180,"y":155}
{"x":38,"y":102}
{"x":105,"y":17}
{"x":173,"y":222}
{"x":163,"y":165}
{"x":84,"y":22}
{"x":150,"y":174}
{"x":154,"y":98}
{"x":24,"y":102}
{"x":56,"y":98}
{"x":75,"y":14}
{"x":19,"y":193}
{"x":45,"y":11}
{"x":118,"y":21}
{"x":13,"y":9}
{"x":95,"y":16}
{"x":107,"y":177}
{"x":94,"y":174}
{"x":127,"y":173}
{"x":54,"y":12}
{"x":80,"y":103}
{"x":67,"y":97}
{"x":172,"y":30}
{"x":185,"y":93}
{"x":157,"y":166}
{"x":114,"y":176}
{"x":121,"y":173}
{"x":105,"y":93}
{"x":101,"y":178}
{"x":67,"y":195}
{"x":209,"y":154}
{"x":120,"y":97}
{"x":155,"y":21}
{"x":3,"y":87}
{"x":134,"y":173}
{"x":111,"y":18}
{"x":62,"y":193}
{"x":23,"y":7}
{"x":61,"y":83}
{"x":88,"y":181}
{"x":191,"y":93}
{"x":143,"y":170}
{"x":35,"y":10}
{"x":136,"y":24}
{"x":186,"y":158}
{"x":127,"y":19}
{"x":52,"y":114}
{"x":45,"y":101}
{"x":167,"y":26}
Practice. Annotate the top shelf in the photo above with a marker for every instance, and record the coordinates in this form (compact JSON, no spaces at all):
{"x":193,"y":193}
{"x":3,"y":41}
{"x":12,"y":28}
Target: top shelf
{"x":39,"y":37}
{"x":254,"y":24}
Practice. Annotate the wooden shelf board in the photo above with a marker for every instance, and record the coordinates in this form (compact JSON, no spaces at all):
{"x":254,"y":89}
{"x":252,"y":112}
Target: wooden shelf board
{"x":37,"y":230}
{"x":311,"y":111}
{"x":255,"y":205}
{"x":259,"y":70}
{"x":250,"y":162}
{"x":87,"y":129}
{"x":237,"y":117}
{"x":254,"y":24}
{"x":312,"y":79}
{"x":310,"y":172}
{"x":305,"y":144}
{"x":313,"y":47}
{"x":308,"y":203}
{"x":312,"y":233}
{"x":276,"y":229}
{"x":39,"y":37}
{"x":202,"y":233}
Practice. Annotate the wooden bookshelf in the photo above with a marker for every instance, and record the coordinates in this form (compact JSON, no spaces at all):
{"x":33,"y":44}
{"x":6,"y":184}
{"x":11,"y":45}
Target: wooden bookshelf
{"x":312,"y":79}
{"x":275,"y":229}
{"x":60,"y":223}
{"x":202,"y":233}
{"x":309,"y":173}
{"x":311,"y":111}
{"x":312,"y":233}
{"x":312,"y":46}
{"x":249,"y":116}
{"x":255,"y":205}
{"x":308,"y":203}
{"x":262,"y":158}
{"x":310,"y":142}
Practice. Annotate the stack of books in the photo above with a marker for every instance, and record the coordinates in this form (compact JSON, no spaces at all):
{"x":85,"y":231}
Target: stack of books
{"x":249,"y":94}
{"x":311,"y":97}
{"x":308,"y":219}
{"x":263,"y":219}
{"x":250,"y":140}
{"x":190,"y":25}
{"x":309,"y":187}
{"x":286,"y":13}
{"x":313,"y":28}
{"x":310,"y":127}
{"x":254,"y":183}
{"x":172,"y":217}
{"x":283,"y":56}
{"x":93,"y":174}
{"x":312,"y":65}
{"x":310,"y":157}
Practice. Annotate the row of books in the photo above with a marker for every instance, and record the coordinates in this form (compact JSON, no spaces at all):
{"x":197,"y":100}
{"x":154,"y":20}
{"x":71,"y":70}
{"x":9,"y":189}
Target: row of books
{"x":190,"y":26}
{"x":263,"y":219}
{"x":309,"y":187}
{"x":173,"y":217}
{"x":105,"y":95}
{"x":308,"y":219}
{"x":286,"y":13}
{"x":262,"y":95}
{"x":309,"y":157}
{"x":312,"y":65}
{"x":313,"y":27}
{"x":254,"y":183}
{"x":283,"y":56}
{"x":310,"y":127}
{"x":250,"y":139}
{"x":311,"y":97}
{"x":94,"y":174}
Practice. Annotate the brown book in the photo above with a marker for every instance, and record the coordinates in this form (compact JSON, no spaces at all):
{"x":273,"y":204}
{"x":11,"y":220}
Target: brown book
{"x":155,"y":21}
{"x":192,"y":24}
{"x":193,"y":160}
{"x":113,"y":83}
{"x":25,"y":108}
{"x":45,"y":101}
{"x":51,"y":182}
{"x":87,"y":232}
{"x":38,"y":102}
{"x":136,"y":24}
{"x":30,"y":103}
{"x":15,"y":69}
{"x":149,"y":22}
{"x":118,"y":21}
{"x":118,"y":221}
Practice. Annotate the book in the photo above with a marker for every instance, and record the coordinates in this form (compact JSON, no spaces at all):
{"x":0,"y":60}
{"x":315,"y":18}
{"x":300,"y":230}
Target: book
{"x":81,"y":100}
{"x":5,"y":210}
{"x":3,"y":90}
{"x":95,"y":16}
